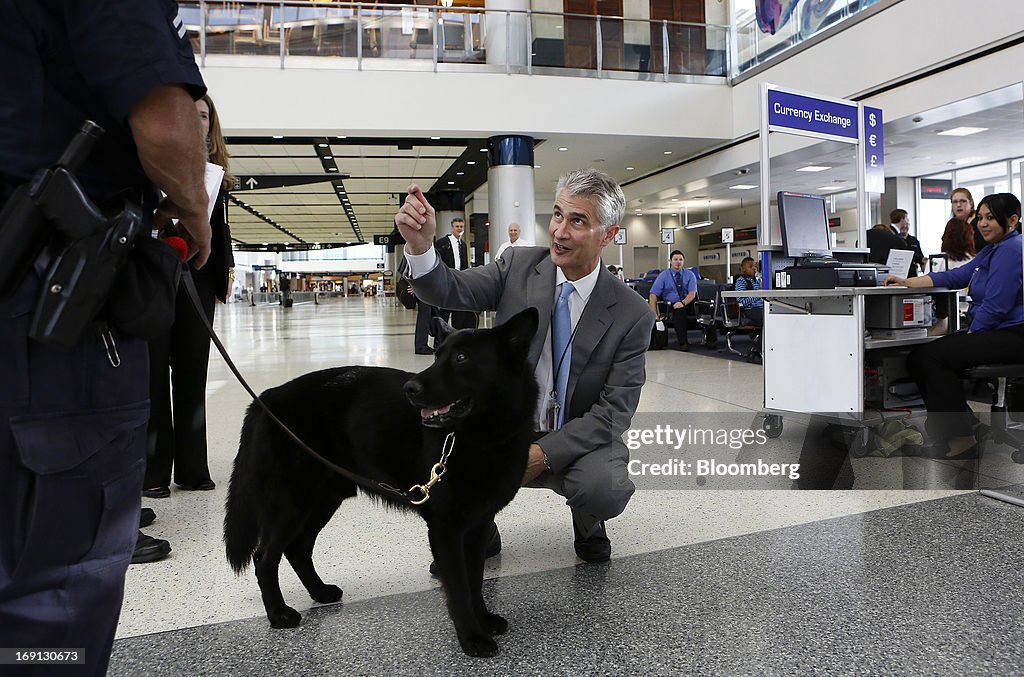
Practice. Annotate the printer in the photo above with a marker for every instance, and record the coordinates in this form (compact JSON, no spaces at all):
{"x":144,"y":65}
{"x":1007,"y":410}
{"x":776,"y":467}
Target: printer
{"x":831,"y":275}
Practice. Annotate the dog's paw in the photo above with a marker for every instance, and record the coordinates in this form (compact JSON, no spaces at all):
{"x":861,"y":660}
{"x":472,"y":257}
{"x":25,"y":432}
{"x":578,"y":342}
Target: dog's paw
{"x":479,"y":645}
{"x":285,"y":617}
{"x":493,"y":624}
{"x":327,"y":594}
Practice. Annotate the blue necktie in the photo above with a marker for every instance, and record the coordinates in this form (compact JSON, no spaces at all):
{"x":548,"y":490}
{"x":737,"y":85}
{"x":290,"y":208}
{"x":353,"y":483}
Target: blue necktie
{"x":561,"y":350}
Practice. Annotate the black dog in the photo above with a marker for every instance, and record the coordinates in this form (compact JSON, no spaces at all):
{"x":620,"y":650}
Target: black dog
{"x":390,"y":425}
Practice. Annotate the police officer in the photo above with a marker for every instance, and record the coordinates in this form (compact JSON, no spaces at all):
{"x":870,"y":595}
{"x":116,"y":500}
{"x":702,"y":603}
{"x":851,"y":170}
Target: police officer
{"x":72,"y":425}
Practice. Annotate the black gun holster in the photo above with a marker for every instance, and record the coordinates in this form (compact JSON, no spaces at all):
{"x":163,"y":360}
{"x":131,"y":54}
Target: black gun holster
{"x":52,"y":220}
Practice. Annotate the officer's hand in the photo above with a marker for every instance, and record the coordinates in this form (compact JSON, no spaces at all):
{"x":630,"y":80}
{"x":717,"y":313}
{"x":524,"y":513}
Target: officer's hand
{"x":193,"y":228}
{"x":416,"y":221}
{"x":895,"y":281}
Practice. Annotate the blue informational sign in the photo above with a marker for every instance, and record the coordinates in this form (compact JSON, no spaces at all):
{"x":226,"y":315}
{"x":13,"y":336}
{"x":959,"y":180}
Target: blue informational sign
{"x":874,"y":151}
{"x":799,"y":113}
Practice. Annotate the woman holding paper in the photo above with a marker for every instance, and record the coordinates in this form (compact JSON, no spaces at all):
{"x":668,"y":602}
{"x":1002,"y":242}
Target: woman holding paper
{"x":178,"y":360}
{"x":996,"y":333}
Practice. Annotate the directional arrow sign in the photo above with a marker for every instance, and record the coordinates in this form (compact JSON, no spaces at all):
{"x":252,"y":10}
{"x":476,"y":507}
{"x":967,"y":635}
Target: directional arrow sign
{"x":263,"y":181}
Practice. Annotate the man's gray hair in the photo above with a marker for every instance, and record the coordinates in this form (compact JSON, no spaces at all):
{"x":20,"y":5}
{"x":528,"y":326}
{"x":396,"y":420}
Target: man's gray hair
{"x":589,"y":182}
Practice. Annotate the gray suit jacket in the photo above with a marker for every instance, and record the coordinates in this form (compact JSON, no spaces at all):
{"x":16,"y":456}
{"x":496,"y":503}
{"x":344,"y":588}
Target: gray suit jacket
{"x":608,"y":350}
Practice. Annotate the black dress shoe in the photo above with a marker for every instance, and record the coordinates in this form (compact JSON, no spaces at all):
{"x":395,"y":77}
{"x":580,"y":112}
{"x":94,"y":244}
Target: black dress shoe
{"x":146,"y":517}
{"x":425,"y":351}
{"x":156,"y":492}
{"x":149,"y":549}
{"x":685,"y":347}
{"x":493,"y":547}
{"x":594,"y":548}
{"x":205,"y":485}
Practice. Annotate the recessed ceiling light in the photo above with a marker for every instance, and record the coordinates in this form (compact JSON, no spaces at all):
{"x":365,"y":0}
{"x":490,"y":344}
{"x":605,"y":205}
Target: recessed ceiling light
{"x":460,"y":173}
{"x":675,"y":215}
{"x":341,"y":137}
{"x":962,"y":131}
{"x":278,"y":136}
{"x":536,"y":166}
{"x":451,"y":183}
{"x":328,"y":157}
{"x":471,"y":162}
{"x":321,"y":145}
{"x":435,"y":138}
{"x":483,"y":150}
{"x":332,"y":169}
{"x":629,"y":169}
{"x":813,"y":168}
{"x":562,"y":149}
{"x":742,"y":186}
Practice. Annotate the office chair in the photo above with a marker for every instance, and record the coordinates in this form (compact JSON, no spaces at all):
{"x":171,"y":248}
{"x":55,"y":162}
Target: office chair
{"x":1003,"y":430}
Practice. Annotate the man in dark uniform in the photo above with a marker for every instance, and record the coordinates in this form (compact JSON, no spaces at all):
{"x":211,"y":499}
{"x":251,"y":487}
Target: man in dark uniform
{"x":451,"y":249}
{"x":72,"y":424}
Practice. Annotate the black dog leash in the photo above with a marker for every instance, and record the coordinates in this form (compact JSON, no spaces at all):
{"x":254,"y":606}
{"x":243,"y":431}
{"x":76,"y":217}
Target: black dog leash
{"x":416,"y":495}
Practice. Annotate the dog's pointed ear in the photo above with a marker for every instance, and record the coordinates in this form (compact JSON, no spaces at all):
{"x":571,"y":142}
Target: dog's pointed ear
{"x":520,"y":328}
{"x":440,"y":329}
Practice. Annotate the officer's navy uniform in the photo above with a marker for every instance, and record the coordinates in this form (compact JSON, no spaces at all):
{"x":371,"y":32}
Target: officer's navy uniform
{"x":72,"y":426}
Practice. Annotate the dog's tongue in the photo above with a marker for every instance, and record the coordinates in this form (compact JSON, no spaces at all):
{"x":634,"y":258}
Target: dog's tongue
{"x":427,"y":413}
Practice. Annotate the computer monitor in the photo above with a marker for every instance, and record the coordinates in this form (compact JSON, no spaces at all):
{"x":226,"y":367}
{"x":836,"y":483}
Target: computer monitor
{"x":804,"y":225}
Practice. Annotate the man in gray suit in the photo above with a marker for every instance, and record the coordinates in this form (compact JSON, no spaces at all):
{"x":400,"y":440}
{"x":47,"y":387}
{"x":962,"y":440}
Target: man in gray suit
{"x":579,"y":452}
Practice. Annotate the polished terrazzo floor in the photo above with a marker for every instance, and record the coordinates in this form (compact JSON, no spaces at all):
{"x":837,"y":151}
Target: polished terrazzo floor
{"x":702,"y":580}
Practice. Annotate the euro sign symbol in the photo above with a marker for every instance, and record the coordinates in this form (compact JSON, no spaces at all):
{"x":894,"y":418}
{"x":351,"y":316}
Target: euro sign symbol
{"x":872,"y":140}
{"x":872,"y":120}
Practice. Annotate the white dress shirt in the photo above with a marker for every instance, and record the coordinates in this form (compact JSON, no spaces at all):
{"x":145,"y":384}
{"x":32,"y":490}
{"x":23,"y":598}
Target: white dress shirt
{"x":421,"y":264}
{"x":456,"y":255}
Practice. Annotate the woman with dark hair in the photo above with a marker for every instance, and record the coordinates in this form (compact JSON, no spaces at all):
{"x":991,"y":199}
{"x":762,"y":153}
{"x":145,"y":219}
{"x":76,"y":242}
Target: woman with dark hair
{"x":958,"y":243}
{"x":996,"y":327}
{"x":177,"y":435}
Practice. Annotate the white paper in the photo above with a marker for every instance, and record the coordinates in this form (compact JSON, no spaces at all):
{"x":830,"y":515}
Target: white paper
{"x":899,"y":262}
{"x":660,"y":325}
{"x":214,"y":176}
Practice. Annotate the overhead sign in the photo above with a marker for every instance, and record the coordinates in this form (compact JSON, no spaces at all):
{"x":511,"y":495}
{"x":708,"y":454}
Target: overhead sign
{"x":620,"y":236}
{"x":810,"y":116}
{"x":936,"y":189}
{"x":874,"y":151}
{"x":668,"y":236}
{"x":382,"y":240}
{"x":727,"y":235}
{"x":245,"y":182}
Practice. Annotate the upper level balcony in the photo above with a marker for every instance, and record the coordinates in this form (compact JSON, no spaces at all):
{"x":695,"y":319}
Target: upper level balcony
{"x":438,"y":38}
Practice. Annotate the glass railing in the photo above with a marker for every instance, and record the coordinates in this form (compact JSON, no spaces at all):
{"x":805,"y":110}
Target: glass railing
{"x":412,"y":36}
{"x":757,"y":43}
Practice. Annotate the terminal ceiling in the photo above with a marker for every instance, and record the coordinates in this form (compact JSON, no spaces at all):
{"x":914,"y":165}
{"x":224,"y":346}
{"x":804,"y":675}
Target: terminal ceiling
{"x":346,"y":190}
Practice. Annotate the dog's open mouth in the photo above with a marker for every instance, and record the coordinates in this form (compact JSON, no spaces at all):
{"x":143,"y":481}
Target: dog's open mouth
{"x":440,"y":417}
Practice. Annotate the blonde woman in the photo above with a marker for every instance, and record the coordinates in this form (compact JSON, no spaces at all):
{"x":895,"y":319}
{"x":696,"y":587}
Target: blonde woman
{"x":178,"y":360}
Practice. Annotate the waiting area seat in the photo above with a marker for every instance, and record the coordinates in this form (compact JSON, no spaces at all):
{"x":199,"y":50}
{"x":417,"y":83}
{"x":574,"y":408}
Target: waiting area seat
{"x":1004,"y":431}
{"x":733,"y":322}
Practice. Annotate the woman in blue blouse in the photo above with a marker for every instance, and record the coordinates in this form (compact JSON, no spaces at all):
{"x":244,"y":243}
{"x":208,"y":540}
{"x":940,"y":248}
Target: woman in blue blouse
{"x":996,"y":325}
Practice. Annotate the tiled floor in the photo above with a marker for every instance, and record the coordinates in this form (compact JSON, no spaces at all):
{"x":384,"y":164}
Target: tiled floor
{"x":703,"y":579}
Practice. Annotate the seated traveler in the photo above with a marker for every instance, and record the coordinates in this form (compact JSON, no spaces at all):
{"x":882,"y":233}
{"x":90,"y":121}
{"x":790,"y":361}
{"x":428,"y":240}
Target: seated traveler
{"x":996,"y":333}
{"x":677,"y":287}
{"x":751,"y":307}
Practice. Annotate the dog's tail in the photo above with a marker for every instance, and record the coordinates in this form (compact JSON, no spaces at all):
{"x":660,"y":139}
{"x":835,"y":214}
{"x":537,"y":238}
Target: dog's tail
{"x":241,"y":530}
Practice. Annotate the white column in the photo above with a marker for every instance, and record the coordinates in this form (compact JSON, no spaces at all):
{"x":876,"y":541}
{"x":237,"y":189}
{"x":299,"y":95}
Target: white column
{"x":506,"y":33}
